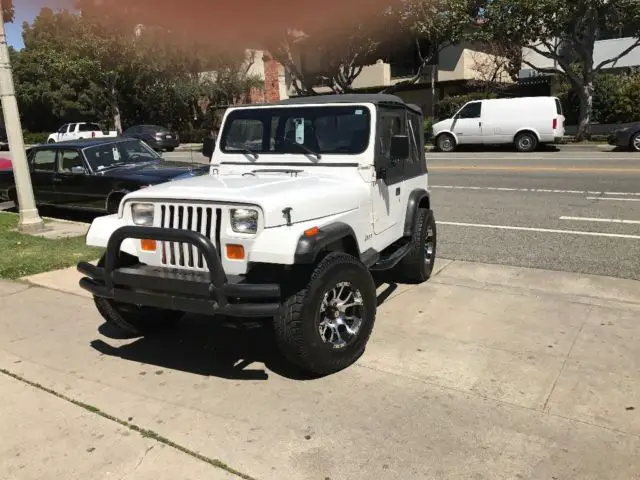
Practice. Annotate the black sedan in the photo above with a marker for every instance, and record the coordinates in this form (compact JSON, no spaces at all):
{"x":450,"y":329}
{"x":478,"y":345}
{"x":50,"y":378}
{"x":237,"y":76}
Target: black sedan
{"x":627,"y":137}
{"x":157,"y":137}
{"x":94,"y":174}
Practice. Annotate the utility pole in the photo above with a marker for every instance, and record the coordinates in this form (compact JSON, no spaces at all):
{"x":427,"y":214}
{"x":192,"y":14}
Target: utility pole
{"x":30,"y":220}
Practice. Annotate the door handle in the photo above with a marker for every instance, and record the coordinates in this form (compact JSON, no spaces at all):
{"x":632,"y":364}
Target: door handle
{"x":479,"y":124}
{"x":397,"y":191}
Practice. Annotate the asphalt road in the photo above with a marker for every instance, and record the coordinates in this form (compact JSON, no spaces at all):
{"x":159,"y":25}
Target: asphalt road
{"x":572,"y":210}
{"x":577,"y":212}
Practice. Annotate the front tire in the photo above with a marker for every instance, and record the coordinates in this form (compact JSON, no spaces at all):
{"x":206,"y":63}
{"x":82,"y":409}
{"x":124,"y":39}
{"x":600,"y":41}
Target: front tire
{"x":325,"y":326}
{"x":51,"y":140}
{"x":417,"y":265}
{"x":635,"y":142}
{"x":134,"y":320}
{"x":445,"y":143}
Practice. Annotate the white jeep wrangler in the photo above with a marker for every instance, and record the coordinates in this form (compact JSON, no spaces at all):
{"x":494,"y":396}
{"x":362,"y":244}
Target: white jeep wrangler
{"x":306,"y":199}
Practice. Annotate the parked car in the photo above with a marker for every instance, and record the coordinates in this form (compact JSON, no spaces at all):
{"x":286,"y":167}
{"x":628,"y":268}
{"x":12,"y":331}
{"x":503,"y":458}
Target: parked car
{"x":627,"y":137}
{"x":157,"y":137}
{"x":5,"y":164}
{"x":94,"y":175}
{"x":79,"y":131}
{"x":525,"y":122}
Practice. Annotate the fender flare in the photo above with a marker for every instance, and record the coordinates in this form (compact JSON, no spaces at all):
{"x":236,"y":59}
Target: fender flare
{"x":417,"y":198}
{"x":308,"y":248}
{"x":114,"y":192}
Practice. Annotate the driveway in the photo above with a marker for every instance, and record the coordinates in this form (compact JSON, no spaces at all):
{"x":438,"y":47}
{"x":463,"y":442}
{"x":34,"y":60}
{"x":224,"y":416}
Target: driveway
{"x":485,"y":371}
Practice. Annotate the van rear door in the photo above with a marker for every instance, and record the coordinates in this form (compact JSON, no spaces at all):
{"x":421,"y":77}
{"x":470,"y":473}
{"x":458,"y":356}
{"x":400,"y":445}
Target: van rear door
{"x":558,"y":123}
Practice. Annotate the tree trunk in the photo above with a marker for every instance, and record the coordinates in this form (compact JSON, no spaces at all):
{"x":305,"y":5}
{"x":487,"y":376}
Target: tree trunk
{"x":585,"y":94}
{"x":115,"y":110}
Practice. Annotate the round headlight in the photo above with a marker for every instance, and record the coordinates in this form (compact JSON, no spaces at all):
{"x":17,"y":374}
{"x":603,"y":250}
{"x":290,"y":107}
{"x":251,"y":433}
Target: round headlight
{"x":142,"y":214}
{"x":244,"y":220}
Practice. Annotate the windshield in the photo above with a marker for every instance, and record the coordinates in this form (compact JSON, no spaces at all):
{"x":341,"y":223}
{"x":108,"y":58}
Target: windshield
{"x":108,"y":155}
{"x":302,"y":130}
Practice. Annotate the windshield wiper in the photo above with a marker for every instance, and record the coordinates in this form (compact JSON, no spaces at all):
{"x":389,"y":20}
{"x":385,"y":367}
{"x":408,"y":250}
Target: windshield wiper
{"x":311,"y":152}
{"x":274,"y":170}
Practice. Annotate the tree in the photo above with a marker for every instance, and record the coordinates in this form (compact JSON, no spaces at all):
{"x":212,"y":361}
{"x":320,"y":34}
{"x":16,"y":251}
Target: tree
{"x":495,"y":64}
{"x":433,"y":25}
{"x":340,"y":57}
{"x":8,"y":11}
{"x":565,"y":31}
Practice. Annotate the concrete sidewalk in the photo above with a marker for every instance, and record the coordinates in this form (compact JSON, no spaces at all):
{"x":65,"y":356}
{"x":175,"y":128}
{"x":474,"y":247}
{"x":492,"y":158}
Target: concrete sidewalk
{"x":485,"y":371}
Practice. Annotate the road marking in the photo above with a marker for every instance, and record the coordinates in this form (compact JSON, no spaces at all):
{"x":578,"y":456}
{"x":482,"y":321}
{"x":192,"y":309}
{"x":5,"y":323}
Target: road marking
{"x":516,"y":168}
{"x":615,"y":199}
{"x":533,"y":190}
{"x":543,"y":230}
{"x":602,"y":220}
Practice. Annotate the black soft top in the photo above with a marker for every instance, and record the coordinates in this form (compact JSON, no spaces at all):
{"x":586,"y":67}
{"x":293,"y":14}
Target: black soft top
{"x":375,"y":98}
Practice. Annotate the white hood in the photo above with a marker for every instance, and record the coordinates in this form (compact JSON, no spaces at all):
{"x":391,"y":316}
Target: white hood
{"x":309,"y":196}
{"x":444,"y":125}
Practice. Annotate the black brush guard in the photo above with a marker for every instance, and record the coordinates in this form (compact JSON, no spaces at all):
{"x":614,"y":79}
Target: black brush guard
{"x":202,"y":292}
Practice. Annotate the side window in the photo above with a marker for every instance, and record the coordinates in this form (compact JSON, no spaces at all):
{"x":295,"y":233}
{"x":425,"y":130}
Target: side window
{"x":63,"y":128}
{"x":390,"y":122}
{"x":67,"y":159}
{"x":44,"y":161}
{"x":89,"y":127}
{"x":471,"y":110}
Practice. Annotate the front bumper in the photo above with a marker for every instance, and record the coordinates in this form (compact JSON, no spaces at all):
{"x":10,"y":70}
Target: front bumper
{"x":167,"y":143}
{"x":208,"y":292}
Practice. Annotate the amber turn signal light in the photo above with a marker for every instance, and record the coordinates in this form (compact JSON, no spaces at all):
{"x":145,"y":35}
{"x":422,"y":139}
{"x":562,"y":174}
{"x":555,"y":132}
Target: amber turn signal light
{"x":148,"y":245}
{"x":235,"y":252}
{"x":312,"y":232}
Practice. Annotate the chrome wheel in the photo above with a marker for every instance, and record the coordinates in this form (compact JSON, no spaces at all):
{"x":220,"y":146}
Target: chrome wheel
{"x":446,"y":143}
{"x":429,"y":245}
{"x":341,"y":315}
{"x":635,"y":142}
{"x":525,"y":143}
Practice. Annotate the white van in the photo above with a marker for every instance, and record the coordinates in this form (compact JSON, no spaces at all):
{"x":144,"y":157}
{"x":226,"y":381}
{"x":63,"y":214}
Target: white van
{"x":525,"y":122}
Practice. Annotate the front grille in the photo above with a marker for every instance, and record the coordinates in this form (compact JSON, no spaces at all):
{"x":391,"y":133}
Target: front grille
{"x":198,"y":218}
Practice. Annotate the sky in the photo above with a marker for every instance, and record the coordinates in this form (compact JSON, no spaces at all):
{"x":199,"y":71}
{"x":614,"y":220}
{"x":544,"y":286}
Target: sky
{"x":27,"y":10}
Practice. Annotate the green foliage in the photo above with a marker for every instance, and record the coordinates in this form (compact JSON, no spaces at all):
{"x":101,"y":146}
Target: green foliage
{"x":87,"y":67}
{"x":448,"y":106}
{"x":564,"y":31}
{"x":33,"y":138}
{"x":615,"y":100}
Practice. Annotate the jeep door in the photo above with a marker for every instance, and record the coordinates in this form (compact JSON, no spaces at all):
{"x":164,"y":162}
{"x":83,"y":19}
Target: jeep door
{"x":387,"y":191}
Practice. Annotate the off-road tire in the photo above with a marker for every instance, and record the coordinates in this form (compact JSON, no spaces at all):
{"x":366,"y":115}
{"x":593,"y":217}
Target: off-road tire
{"x":130,"y":319}
{"x":418,"y":263}
{"x":634,"y":143}
{"x":526,"y":142}
{"x":297,"y":325}
{"x":445,"y":142}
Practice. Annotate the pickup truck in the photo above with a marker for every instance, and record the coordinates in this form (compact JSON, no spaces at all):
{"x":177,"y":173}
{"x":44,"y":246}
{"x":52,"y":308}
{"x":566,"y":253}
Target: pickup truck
{"x":79,"y":131}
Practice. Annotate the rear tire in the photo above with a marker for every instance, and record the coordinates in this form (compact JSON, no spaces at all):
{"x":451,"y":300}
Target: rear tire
{"x":417,"y":265}
{"x":445,"y":142}
{"x":526,"y":142}
{"x":325,"y":326}
{"x":131,"y":319}
{"x":635,"y":142}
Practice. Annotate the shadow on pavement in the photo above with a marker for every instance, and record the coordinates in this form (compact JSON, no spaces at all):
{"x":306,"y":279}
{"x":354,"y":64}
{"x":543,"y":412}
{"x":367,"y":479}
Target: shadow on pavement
{"x":211,"y":346}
